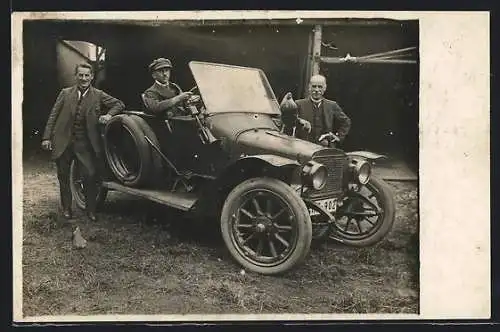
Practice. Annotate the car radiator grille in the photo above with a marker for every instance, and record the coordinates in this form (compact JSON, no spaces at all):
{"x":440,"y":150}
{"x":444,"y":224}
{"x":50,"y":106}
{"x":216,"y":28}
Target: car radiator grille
{"x":335,"y":166}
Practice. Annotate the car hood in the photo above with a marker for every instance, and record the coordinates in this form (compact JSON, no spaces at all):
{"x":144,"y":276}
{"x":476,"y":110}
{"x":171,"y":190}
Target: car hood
{"x":265,"y":141}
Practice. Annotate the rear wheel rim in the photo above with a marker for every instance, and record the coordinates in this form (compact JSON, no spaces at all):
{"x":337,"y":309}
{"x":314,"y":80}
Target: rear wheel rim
{"x":78,"y":185}
{"x":77,"y":180}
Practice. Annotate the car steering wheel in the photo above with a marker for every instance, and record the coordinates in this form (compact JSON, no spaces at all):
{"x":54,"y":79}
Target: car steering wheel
{"x":194,"y":88}
{"x":190,"y":102}
{"x":183,"y":107}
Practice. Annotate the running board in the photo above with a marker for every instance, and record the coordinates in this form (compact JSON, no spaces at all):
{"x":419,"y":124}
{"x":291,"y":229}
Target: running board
{"x":181,"y":201}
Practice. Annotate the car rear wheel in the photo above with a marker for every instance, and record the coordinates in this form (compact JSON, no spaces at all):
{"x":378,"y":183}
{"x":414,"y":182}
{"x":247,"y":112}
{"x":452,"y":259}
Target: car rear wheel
{"x":76,"y":186}
{"x":266,"y":226}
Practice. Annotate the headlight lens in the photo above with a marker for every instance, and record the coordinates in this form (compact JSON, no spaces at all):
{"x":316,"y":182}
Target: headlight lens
{"x":364,"y":172}
{"x":319,"y":178}
{"x":315,"y":175}
{"x":361,"y":171}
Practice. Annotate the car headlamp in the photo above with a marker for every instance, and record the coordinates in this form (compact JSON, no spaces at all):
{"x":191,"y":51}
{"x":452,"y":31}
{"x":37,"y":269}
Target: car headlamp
{"x":315,"y":175}
{"x":362,"y":171}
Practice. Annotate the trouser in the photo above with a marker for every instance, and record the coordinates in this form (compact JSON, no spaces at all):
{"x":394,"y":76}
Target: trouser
{"x":83,"y":154}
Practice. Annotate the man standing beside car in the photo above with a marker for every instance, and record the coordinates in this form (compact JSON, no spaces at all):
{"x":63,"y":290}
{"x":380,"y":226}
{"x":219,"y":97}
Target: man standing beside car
{"x":163,"y":95}
{"x":72,"y":133}
{"x":322,"y":119}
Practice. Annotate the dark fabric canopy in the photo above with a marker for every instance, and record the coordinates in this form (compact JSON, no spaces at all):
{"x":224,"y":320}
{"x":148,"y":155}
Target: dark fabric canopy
{"x":381,"y":99}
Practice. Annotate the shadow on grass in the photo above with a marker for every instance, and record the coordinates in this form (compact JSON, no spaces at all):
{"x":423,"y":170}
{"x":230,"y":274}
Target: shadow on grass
{"x":179,"y":224}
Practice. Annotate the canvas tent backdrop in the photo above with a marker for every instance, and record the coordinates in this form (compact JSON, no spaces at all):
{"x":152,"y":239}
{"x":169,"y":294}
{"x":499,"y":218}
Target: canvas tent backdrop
{"x":381,"y":99}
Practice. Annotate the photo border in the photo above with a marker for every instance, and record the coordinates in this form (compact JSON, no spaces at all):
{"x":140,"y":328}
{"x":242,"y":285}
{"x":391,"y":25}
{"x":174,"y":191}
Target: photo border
{"x":457,"y":58}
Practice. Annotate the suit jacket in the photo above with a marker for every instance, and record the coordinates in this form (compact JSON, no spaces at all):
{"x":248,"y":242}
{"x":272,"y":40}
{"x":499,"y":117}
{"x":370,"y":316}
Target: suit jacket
{"x":158,"y":98}
{"x":60,"y":123}
{"x":335,"y":120}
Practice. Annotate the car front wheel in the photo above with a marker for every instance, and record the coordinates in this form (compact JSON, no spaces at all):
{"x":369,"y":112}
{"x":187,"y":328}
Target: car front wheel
{"x":266,"y":226}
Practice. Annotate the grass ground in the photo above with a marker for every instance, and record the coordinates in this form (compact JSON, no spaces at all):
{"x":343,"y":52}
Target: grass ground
{"x":143,"y":258}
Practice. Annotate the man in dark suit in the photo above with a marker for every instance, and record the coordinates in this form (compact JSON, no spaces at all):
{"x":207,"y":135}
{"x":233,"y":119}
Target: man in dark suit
{"x":322,"y":119}
{"x":163,"y":95}
{"x":72,"y":131}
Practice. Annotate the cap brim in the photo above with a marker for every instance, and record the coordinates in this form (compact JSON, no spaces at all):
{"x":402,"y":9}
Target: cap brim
{"x":162,"y":66}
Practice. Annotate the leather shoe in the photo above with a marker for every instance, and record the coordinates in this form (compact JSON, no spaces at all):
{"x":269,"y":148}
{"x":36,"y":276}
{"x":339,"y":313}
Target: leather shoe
{"x":91,"y":216}
{"x":67,"y":214}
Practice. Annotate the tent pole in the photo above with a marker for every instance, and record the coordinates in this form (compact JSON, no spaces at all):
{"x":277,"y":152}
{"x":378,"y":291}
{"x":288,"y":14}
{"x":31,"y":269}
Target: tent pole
{"x":307,"y":66}
{"x":316,"y":48}
{"x":382,"y":54}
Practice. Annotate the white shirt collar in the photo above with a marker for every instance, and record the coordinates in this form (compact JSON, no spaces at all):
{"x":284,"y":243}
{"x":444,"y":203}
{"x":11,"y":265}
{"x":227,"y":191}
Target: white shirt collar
{"x":316,"y":102}
{"x":163,"y":85}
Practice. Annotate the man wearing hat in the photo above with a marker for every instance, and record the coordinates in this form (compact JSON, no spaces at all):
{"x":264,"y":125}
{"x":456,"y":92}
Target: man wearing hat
{"x":163,"y":95}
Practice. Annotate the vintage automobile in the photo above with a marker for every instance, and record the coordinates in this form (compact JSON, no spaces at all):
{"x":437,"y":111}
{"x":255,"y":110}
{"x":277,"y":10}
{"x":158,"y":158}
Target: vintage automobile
{"x":226,"y":156}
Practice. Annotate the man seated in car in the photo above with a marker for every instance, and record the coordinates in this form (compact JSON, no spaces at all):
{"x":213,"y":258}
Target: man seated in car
{"x":163,"y":96}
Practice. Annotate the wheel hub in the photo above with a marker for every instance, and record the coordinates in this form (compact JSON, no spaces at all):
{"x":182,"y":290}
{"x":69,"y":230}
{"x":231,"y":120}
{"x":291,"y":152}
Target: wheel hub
{"x":263,"y":225}
{"x":260,"y":228}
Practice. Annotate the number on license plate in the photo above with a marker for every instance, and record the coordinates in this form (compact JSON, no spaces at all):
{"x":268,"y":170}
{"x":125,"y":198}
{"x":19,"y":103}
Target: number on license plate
{"x":329,"y":205}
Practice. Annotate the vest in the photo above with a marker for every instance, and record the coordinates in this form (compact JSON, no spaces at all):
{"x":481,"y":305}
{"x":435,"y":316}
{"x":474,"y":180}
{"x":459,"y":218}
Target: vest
{"x":318,"y":123}
{"x":79,"y":123}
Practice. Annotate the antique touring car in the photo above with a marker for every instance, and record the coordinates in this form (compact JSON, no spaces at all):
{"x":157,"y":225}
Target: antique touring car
{"x":225,"y":156}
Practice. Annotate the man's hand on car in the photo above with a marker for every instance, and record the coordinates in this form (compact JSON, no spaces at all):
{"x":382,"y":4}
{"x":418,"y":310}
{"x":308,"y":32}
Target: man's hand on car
{"x":47,"y":145}
{"x":185,"y":95}
{"x":326,"y":139}
{"x":194,"y":99}
{"x":103,"y":119}
{"x":324,"y":142}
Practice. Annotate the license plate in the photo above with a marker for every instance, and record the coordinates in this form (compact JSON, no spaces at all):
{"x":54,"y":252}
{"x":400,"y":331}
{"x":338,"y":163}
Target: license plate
{"x":329,"y":205}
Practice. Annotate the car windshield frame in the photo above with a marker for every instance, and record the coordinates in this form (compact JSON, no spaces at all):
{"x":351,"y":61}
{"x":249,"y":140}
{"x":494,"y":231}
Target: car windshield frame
{"x":236,"y":89}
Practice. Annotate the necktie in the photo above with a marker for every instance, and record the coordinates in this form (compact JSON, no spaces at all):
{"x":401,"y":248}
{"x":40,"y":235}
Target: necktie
{"x":81,"y":95}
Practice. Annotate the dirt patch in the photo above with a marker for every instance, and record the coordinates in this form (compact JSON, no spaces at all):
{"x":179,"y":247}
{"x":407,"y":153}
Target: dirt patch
{"x":142,"y":258}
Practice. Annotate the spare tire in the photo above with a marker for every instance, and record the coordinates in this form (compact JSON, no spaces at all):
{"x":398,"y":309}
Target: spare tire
{"x":127,"y":151}
{"x":157,"y":167}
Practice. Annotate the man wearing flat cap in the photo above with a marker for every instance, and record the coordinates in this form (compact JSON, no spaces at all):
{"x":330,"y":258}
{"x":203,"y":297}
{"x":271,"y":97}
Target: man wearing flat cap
{"x":163,"y":95}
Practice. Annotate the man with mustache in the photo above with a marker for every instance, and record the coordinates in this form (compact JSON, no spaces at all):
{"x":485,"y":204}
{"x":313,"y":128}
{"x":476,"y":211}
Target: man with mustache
{"x":72,"y":132}
{"x":322,"y":120}
{"x":163,"y":95}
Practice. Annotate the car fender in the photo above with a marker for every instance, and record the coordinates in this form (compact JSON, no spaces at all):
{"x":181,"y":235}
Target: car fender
{"x":371,"y":156}
{"x":240,"y":169}
{"x":256,"y":164}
